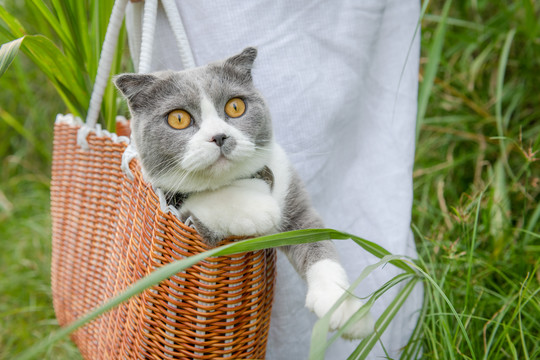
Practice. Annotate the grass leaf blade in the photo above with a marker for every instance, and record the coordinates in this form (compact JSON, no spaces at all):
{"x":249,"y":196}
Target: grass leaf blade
{"x":432,"y":66}
{"x":365,"y":346}
{"x":319,"y":342}
{"x":8,"y":52}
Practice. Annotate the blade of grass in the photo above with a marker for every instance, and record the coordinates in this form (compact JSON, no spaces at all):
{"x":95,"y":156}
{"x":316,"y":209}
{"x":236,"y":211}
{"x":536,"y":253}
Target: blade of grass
{"x":14,"y":26}
{"x":533,"y":222}
{"x":46,"y":55}
{"x":472,"y":249}
{"x":455,"y":22}
{"x":68,"y":72}
{"x":434,"y":57}
{"x":499,"y":92}
{"x":439,"y":335}
{"x":75,"y":20}
{"x":56,"y":66}
{"x":27,"y":135}
{"x":58,"y":27}
{"x":520,"y":323}
{"x":374,"y":249}
{"x":100,"y":20}
{"x":365,"y":346}
{"x":8,"y":52}
{"x":531,"y":18}
{"x":440,"y":291}
{"x":479,"y":62}
{"x":376,"y":295}
{"x":414,"y":347}
{"x":499,"y":209}
{"x":319,"y":342}
{"x":69,"y":19}
{"x":497,"y":343}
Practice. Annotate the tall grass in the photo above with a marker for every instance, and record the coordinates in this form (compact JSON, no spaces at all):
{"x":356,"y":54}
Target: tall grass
{"x":53,"y":75}
{"x":476,"y":182}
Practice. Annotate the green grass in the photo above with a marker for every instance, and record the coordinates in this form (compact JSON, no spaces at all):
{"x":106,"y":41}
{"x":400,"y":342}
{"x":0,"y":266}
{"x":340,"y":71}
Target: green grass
{"x":476,"y":184}
{"x":476,"y":214}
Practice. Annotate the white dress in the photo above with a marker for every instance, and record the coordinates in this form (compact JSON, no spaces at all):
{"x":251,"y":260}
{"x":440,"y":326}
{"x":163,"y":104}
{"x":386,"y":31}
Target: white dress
{"x":340,"y":78}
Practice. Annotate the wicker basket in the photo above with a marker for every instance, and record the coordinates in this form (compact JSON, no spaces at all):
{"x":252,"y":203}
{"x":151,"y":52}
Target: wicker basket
{"x":109,"y":231}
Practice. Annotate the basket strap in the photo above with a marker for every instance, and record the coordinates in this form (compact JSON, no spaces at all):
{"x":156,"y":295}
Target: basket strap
{"x":145,"y":59}
{"x":111,"y":39}
{"x":147,"y":38}
{"x":105,"y":61}
{"x":177,"y":26}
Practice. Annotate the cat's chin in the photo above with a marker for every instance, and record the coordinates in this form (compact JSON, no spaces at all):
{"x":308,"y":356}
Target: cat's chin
{"x":220,"y":168}
{"x":221,"y":164}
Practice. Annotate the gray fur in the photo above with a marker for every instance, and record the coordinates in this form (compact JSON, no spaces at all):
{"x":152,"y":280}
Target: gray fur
{"x":300,"y":214}
{"x":228,"y":145}
{"x":152,"y":96}
{"x":209,"y":236}
{"x":266,"y":175}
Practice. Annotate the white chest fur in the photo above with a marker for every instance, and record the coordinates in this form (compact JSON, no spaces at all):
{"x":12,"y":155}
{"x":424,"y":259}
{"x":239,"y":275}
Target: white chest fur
{"x":245,"y":207}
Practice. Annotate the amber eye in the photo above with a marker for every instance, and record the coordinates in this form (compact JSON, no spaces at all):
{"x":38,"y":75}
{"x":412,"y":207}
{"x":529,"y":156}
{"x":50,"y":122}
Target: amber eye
{"x":179,"y":119}
{"x":235,"y":107}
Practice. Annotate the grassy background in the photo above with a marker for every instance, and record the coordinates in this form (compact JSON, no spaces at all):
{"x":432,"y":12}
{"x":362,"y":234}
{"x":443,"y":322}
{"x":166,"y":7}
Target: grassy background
{"x":476,"y":182}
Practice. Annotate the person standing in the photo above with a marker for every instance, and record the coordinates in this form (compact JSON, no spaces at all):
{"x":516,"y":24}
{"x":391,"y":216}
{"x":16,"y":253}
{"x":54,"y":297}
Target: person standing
{"x":341,"y":80}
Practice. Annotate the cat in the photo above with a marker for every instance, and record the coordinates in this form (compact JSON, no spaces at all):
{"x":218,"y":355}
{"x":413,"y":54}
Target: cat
{"x":204,"y":136}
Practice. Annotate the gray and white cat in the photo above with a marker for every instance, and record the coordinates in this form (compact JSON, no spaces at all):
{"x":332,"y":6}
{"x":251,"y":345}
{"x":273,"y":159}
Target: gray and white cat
{"x":204,"y":136}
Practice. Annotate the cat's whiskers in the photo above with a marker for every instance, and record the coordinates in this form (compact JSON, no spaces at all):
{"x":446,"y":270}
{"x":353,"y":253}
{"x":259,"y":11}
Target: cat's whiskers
{"x":169,"y":168}
{"x":262,"y":148}
{"x":180,"y":184}
{"x":164,"y":165}
{"x":163,"y":168}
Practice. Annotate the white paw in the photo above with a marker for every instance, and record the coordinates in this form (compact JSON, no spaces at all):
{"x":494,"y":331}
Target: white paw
{"x":261,"y":215}
{"x":361,"y":328}
{"x":327,"y":282}
{"x":245,"y":208}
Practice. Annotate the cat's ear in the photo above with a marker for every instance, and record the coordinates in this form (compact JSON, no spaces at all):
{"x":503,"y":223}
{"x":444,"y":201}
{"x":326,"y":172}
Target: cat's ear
{"x":130,"y":85}
{"x":243,"y":62}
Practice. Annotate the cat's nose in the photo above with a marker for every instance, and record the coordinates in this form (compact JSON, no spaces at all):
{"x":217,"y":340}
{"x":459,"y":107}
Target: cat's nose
{"x":219,"y":139}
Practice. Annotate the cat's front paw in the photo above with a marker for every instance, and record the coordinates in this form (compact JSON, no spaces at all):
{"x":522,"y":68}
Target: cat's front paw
{"x":327,"y":282}
{"x":259,"y":215}
{"x":245,"y":208}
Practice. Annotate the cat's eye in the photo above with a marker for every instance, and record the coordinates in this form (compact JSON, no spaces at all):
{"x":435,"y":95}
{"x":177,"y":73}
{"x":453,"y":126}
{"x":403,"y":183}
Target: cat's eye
{"x":179,"y":119}
{"x":235,"y":107}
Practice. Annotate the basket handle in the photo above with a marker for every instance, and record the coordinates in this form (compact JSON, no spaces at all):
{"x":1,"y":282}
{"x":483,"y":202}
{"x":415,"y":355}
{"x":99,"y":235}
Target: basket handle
{"x":111,"y":40}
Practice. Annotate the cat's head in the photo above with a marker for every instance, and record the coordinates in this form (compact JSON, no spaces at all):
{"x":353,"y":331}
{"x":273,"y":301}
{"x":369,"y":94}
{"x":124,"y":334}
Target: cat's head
{"x":200,"y":128}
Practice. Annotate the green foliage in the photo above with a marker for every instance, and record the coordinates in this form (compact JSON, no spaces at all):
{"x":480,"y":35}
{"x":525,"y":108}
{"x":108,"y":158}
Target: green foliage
{"x":53,"y":73}
{"x":69,"y":54}
{"x":26,"y":312}
{"x":476,"y":214}
{"x":8,"y":52}
{"x":477,"y":184}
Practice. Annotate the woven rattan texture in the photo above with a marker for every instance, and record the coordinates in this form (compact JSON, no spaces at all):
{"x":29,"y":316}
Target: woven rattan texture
{"x":109,"y":231}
